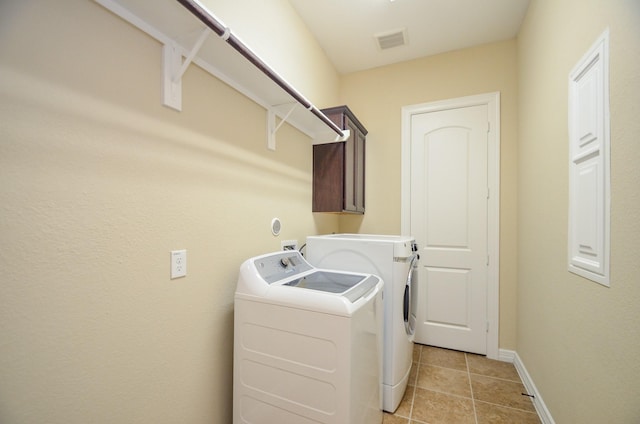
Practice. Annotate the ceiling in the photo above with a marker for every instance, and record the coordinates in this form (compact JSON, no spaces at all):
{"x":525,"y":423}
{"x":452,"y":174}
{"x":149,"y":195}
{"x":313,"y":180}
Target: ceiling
{"x":347,"y":29}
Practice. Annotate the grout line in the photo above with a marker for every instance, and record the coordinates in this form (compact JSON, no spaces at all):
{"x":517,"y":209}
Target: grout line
{"x":465,"y":371}
{"x":473,"y":399}
{"x":415,"y":384}
{"x":508,"y":407}
{"x":413,"y":398}
{"x":497,"y":378}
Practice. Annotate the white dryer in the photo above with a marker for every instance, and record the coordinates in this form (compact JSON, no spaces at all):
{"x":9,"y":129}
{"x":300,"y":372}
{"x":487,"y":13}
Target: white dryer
{"x":394,"y":259}
{"x":307,"y":343}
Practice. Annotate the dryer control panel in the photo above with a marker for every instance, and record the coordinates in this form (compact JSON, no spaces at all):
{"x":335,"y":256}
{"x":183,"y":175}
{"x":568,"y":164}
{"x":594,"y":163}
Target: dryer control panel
{"x":279,"y":266}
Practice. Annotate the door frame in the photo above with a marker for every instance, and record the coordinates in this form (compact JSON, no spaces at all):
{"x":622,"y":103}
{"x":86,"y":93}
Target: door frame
{"x":492,"y":100}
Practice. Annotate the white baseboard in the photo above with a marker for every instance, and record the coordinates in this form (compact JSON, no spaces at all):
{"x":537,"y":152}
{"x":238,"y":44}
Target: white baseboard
{"x":505,"y":355}
{"x":541,"y":408}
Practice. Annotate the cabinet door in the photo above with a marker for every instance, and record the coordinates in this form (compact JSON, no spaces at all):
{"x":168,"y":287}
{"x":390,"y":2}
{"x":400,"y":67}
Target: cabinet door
{"x":354,"y":170}
{"x":359,"y":174}
{"x":350,"y":171}
{"x":328,"y":177}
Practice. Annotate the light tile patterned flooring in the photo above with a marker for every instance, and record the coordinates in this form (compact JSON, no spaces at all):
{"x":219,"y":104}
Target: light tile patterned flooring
{"x":451,"y":387}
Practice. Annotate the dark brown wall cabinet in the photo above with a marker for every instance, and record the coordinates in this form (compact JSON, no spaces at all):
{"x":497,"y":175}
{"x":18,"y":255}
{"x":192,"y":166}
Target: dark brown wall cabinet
{"x":338,"y":168}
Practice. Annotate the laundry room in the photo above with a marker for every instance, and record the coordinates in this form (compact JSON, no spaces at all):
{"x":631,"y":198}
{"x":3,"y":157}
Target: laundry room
{"x":108,"y":166}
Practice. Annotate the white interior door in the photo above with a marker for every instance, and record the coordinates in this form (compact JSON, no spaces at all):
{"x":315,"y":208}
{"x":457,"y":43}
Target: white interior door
{"x":449,"y":192}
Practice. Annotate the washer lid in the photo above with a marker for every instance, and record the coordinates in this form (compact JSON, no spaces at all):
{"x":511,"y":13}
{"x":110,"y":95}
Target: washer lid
{"x":350,"y":286}
{"x":327,"y":281}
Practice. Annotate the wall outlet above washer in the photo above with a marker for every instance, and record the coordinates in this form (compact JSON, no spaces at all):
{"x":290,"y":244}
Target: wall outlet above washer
{"x":289,"y":244}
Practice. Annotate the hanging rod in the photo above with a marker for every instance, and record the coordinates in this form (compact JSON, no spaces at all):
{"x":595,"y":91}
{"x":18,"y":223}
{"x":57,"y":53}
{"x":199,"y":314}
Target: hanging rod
{"x":225,"y":33}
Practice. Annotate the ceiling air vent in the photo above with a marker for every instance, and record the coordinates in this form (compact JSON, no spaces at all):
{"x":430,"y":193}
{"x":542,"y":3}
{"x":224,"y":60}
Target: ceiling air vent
{"x":390,"y":39}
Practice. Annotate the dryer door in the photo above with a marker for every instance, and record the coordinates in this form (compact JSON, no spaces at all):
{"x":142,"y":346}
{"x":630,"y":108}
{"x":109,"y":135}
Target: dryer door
{"x":410,"y":300}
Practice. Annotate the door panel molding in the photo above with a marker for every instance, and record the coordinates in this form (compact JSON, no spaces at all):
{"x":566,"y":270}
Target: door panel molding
{"x":492,"y":100}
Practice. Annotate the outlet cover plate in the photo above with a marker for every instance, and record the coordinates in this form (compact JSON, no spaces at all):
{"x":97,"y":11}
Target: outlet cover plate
{"x":178,"y":263}
{"x":289,"y":244}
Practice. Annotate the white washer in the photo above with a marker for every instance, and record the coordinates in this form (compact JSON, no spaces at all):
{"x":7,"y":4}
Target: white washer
{"x":307,"y":343}
{"x":394,"y":259}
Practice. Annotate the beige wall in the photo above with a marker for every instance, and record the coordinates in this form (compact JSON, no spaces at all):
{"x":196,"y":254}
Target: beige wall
{"x":377,"y":97}
{"x":275,"y":32}
{"x":98,"y":182}
{"x":578,"y":340}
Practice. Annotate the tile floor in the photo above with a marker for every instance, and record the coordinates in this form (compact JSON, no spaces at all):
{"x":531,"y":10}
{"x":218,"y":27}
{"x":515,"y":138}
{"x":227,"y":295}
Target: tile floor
{"x":451,"y":387}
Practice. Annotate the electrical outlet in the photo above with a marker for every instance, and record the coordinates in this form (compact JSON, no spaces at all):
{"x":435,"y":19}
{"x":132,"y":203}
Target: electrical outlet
{"x":289,"y":244}
{"x":178,"y":263}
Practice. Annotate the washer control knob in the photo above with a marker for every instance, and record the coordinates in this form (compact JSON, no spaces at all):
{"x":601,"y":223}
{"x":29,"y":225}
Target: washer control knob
{"x":284,"y":262}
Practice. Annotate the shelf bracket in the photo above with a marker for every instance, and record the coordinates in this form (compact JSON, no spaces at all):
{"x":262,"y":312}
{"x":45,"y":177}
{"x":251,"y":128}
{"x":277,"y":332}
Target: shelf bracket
{"x":173,"y":68}
{"x":345,"y":136}
{"x":326,"y":137}
{"x":272,"y":128}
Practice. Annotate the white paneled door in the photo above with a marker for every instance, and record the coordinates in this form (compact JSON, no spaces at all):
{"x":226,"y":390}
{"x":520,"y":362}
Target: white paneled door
{"x":449,"y":219}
